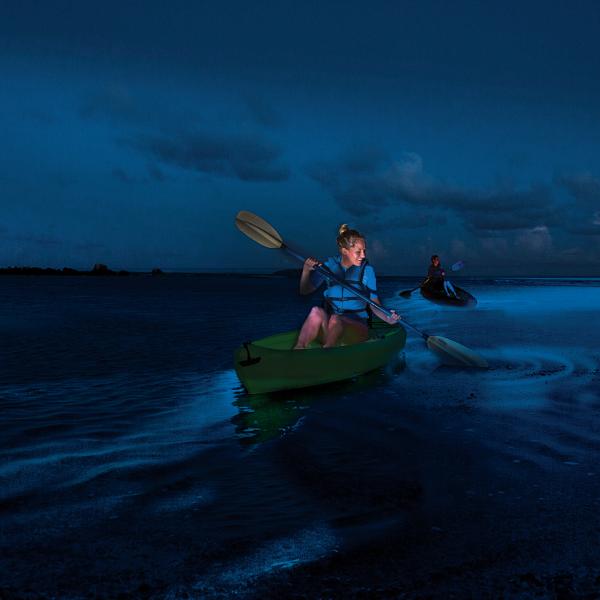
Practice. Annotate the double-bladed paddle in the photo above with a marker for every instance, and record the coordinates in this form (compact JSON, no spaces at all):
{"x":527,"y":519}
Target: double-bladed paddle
{"x":263,"y":233}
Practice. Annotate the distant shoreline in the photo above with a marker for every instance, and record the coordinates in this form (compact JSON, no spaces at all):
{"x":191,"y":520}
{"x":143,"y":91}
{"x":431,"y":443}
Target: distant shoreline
{"x":96,"y":271}
{"x":100,"y":270}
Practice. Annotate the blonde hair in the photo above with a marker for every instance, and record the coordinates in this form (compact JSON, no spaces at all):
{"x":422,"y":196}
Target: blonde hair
{"x":348,"y":237}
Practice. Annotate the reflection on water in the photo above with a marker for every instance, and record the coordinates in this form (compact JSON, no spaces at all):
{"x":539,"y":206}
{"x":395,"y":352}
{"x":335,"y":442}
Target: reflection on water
{"x":263,"y":417}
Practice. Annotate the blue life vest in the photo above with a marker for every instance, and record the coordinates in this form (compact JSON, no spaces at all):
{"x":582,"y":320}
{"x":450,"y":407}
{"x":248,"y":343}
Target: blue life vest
{"x":342,"y":301}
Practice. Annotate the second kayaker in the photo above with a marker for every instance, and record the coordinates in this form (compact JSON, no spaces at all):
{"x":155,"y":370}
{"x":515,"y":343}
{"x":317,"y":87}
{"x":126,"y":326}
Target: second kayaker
{"x":436,"y":277}
{"x":344,"y":317}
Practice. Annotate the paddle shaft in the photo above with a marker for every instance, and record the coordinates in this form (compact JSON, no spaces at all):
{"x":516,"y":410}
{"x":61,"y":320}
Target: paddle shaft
{"x":331,"y":277}
{"x":407,"y":293}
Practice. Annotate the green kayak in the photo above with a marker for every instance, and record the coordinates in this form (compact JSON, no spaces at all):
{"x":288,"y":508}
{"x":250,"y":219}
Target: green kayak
{"x":270,"y":364}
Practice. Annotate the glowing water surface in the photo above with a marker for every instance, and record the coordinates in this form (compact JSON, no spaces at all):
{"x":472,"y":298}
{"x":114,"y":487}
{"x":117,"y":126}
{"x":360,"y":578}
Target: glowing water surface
{"x":132,"y":458}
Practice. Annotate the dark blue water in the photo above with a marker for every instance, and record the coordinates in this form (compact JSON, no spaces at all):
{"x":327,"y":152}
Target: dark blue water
{"x":132,"y":462}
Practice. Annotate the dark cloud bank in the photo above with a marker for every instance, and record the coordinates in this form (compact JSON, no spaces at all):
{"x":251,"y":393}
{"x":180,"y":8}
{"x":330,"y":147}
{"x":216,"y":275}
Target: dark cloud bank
{"x":366,"y":186}
{"x":241,"y":157}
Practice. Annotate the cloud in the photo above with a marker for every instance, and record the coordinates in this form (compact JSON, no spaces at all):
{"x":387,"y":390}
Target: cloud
{"x":458,"y":247}
{"x":497,"y":247}
{"x":556,"y":222}
{"x":407,"y":219}
{"x":241,"y":157}
{"x":380,"y":182}
{"x":535,"y":241}
{"x":590,"y":228}
{"x":582,"y":215}
{"x":156,"y":174}
{"x":584,"y":188}
{"x":511,"y":209}
{"x":114,"y":102}
{"x":263,"y":113}
{"x":223,"y":141}
{"x":355,"y":181}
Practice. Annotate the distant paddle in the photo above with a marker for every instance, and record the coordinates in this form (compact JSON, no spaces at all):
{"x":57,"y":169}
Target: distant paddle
{"x":406,"y":293}
{"x":457,"y":266}
{"x":262,"y":233}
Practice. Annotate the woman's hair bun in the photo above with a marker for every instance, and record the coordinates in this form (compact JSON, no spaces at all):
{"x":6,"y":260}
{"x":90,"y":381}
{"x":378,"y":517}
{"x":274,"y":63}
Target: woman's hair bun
{"x":347,"y":237}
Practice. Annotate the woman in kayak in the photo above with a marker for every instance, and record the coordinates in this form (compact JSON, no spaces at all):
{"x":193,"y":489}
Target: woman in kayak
{"x":436,"y":277}
{"x":344,"y":318}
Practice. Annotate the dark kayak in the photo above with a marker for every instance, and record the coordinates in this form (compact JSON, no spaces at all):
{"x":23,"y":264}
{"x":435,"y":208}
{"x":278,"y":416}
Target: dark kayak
{"x":438,"y":295}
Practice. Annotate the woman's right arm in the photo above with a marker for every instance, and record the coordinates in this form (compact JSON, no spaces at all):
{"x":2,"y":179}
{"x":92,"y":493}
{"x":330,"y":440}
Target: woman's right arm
{"x":306,"y":286}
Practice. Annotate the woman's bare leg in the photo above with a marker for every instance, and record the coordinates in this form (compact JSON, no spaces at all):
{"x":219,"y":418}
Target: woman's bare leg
{"x":342,"y":328}
{"x":316,"y":321}
{"x":449,"y":289}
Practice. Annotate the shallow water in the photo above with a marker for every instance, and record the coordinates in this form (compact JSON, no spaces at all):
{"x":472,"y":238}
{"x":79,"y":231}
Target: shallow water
{"x":133,"y":462}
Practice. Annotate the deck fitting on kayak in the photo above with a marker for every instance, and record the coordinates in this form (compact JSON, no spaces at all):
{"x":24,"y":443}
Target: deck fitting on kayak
{"x":249,"y":360}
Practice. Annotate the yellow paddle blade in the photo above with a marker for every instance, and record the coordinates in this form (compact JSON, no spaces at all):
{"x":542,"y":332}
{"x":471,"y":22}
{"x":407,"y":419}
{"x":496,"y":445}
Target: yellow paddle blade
{"x":456,"y":351}
{"x":258,"y":230}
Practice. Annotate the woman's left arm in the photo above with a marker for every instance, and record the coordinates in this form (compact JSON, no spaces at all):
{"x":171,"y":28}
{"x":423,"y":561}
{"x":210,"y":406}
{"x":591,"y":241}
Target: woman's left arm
{"x":371,"y":282}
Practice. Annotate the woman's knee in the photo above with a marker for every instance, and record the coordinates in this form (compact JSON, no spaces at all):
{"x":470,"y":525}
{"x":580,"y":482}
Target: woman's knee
{"x":317,"y":313}
{"x":335,"y":321}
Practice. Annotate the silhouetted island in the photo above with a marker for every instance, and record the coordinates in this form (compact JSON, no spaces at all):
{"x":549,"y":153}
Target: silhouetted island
{"x":98,"y":270}
{"x":101,"y":270}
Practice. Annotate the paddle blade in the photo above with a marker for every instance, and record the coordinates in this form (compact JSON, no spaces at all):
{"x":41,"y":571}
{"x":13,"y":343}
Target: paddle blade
{"x":457,"y":266}
{"x":258,"y":229}
{"x":457,"y":352}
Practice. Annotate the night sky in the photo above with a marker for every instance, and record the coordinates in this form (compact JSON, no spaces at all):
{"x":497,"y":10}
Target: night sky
{"x":133,"y":132}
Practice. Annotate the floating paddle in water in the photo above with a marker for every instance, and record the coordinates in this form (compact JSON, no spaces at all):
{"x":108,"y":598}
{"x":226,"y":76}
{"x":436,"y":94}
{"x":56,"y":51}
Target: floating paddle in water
{"x":262,"y":233}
